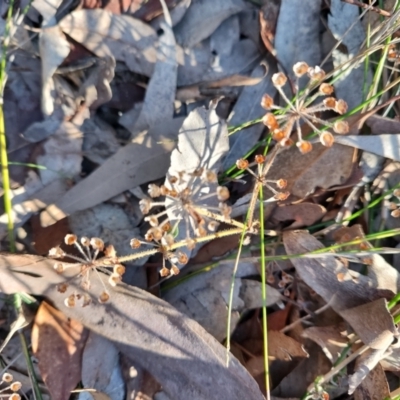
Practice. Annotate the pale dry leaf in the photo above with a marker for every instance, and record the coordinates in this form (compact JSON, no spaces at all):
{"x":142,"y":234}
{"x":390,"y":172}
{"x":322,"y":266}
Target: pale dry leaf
{"x":350,"y":294}
{"x":146,"y":329}
{"x":41,"y":130}
{"x":101,"y":369}
{"x":329,"y":338}
{"x":145,"y":159}
{"x":62,"y":154}
{"x":386,"y":145}
{"x":374,"y":386}
{"x":351,"y":80}
{"x":177,"y":13}
{"x":248,"y":108}
{"x":202,"y":143}
{"x":301,"y":41}
{"x":225,"y":37}
{"x":203,"y":17}
{"x":95,"y":89}
{"x":47,"y":10}
{"x":205,"y":298}
{"x":199,"y":64}
{"x":57,"y":343}
{"x":158,"y":103}
{"x":125,"y":38}
{"x":303,"y":214}
{"x":295,"y":383}
{"x":365,"y":363}
{"x":53,"y":49}
{"x":99,"y":140}
{"x":23,"y":210}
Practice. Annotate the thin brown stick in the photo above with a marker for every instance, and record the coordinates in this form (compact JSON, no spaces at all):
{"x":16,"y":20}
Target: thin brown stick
{"x":378,"y":10}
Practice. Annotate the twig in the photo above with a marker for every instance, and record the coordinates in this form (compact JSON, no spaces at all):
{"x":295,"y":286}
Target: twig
{"x":374,"y":9}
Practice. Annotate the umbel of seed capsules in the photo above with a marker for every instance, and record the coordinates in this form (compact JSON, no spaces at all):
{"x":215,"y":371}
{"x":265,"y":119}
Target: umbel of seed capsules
{"x":281,"y":121}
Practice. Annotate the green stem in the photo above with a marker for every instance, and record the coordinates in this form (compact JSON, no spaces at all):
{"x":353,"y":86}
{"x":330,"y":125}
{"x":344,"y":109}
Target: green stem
{"x":3,"y":141}
{"x":264,"y":294}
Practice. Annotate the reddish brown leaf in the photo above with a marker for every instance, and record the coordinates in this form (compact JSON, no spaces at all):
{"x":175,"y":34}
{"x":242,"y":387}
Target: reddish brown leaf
{"x":374,"y":386}
{"x":58,"y":342}
{"x":268,"y":20}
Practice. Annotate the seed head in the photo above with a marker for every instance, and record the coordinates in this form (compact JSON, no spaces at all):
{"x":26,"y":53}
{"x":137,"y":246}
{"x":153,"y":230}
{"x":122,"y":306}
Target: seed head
{"x":104,"y":297}
{"x":281,"y":183}
{"x":135,"y":243}
{"x":396,"y":193}
{"x":341,"y":107}
{"x":267,"y":102}
{"x":282,"y":196}
{"x":341,"y":127}
{"x":326,"y":138}
{"x":270,"y":121}
{"x":119,"y":269}
{"x":145,"y":205}
{"x":210,"y":176}
{"x":259,"y":159}
{"x":279,"y":79}
{"x":114,"y":279}
{"x":326,"y":89}
{"x":278,"y":135}
{"x":7,"y":377}
{"x":316,"y":73}
{"x":97,"y":244}
{"x":59,"y":267}
{"x":300,"y":68}
{"x":154,"y":190}
{"x":56,"y":252}
{"x":242,"y":164}
{"x":222,"y":193}
{"x":70,"y":239}
{"x":304,"y":146}
{"x":15,"y":396}
{"x":15,"y":386}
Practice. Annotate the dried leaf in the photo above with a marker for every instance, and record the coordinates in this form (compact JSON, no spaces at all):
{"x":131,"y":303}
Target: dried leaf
{"x":158,"y":105}
{"x":48,"y":10}
{"x":101,"y":369}
{"x":374,"y":386}
{"x":57,"y":343}
{"x":321,"y":168}
{"x":386,"y":145}
{"x":205,"y":297}
{"x":202,"y":142}
{"x":143,"y":160}
{"x":301,"y":42}
{"x":351,"y":81}
{"x":203,"y":17}
{"x":329,"y":338}
{"x":53,"y":48}
{"x":364,"y":364}
{"x":268,"y":20}
{"x":174,"y":348}
{"x":199,"y":64}
{"x":352,"y":296}
{"x":125,"y":38}
{"x":62,"y":153}
{"x":303,"y":214}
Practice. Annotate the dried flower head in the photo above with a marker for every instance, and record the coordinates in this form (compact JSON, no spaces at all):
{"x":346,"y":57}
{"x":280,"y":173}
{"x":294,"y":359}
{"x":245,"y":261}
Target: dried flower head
{"x":395,"y":205}
{"x":9,"y":391}
{"x":260,"y":175}
{"x":302,"y":109}
{"x":187,"y":198}
{"x":87,"y":264}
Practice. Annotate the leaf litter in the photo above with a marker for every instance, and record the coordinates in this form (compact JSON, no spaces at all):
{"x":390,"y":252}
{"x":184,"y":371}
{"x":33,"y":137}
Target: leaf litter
{"x":144,"y":129}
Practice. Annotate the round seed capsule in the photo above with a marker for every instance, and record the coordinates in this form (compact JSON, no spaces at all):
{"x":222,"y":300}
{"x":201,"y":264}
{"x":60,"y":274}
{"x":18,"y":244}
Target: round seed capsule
{"x":304,"y":146}
{"x":327,"y":139}
{"x":242,"y":164}
{"x":341,"y":127}
{"x":279,"y":79}
{"x":267,"y":101}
